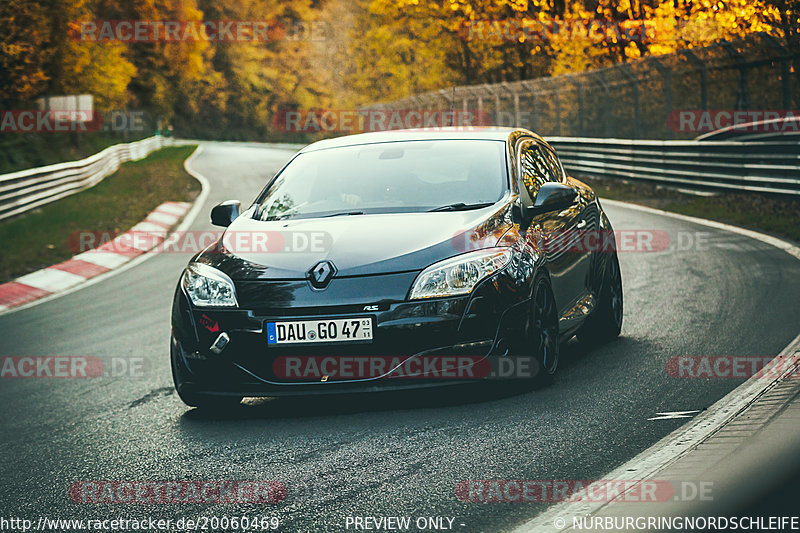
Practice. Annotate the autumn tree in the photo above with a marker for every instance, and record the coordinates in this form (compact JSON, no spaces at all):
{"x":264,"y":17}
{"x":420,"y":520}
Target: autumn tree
{"x":40,"y":56}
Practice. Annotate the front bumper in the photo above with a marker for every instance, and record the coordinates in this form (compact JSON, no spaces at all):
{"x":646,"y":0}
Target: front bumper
{"x":485,"y":323}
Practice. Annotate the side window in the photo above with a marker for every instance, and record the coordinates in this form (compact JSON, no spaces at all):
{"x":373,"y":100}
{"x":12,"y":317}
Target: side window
{"x":535,"y":169}
{"x":555,"y":164}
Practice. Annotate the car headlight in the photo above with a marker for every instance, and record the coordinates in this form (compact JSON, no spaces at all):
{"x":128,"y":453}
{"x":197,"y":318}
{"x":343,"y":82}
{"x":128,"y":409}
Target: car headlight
{"x":208,"y":287}
{"x":459,"y":275}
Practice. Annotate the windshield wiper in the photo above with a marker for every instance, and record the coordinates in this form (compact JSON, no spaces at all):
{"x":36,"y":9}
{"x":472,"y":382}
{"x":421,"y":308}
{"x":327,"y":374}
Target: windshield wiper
{"x":461,"y":206}
{"x":345,"y":213}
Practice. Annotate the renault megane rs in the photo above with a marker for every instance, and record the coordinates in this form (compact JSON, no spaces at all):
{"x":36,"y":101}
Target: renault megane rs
{"x":384,"y":251}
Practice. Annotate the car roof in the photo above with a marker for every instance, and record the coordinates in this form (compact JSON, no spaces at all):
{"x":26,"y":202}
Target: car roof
{"x":490,"y":133}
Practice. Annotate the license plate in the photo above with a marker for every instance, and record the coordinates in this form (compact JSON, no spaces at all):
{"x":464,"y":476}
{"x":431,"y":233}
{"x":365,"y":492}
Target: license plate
{"x":358,"y":329}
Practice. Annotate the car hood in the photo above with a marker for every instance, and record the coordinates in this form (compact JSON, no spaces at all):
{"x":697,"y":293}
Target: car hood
{"x":357,"y":245}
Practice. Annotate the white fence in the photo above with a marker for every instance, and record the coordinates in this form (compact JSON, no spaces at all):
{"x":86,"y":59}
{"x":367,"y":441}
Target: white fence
{"x":27,"y":189}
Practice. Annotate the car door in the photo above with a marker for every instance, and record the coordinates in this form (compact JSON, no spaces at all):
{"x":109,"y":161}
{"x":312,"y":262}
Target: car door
{"x":554,"y":232}
{"x":583,"y":221}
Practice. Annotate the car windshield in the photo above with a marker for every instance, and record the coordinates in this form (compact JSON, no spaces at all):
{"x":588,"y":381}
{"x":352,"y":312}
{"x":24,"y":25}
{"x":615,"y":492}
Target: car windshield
{"x":394,"y":177}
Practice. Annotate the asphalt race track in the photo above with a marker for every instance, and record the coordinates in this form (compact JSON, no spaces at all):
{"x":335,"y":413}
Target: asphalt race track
{"x":398,"y":454}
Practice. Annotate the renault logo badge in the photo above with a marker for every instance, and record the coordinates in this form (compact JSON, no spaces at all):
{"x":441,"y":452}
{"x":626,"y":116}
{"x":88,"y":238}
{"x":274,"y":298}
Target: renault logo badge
{"x":321,"y":274}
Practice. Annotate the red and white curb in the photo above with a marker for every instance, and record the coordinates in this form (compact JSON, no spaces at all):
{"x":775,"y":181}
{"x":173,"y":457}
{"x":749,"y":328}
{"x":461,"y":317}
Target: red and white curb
{"x":140,"y":239}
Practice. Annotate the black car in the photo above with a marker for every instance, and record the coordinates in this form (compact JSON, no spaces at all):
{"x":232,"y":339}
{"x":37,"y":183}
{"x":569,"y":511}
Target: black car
{"x":386,"y":251}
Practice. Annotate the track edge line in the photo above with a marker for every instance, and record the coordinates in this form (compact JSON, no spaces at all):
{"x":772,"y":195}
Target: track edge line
{"x":683,"y":439}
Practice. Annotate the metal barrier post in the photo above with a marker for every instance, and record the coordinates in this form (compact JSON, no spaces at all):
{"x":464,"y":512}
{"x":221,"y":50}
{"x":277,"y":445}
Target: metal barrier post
{"x":667,"y":73}
{"x":703,"y":77}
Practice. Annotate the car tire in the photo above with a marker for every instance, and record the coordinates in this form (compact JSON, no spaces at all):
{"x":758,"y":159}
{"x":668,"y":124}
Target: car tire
{"x":542,"y":330}
{"x":605,"y":322}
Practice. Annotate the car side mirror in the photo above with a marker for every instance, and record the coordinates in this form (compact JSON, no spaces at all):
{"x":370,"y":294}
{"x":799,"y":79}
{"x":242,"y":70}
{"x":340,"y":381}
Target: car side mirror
{"x":225,"y":213}
{"x":552,"y":197}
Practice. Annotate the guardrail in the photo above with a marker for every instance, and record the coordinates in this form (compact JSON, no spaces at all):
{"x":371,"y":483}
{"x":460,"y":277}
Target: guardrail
{"x":765,"y":167}
{"x":27,"y":189}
